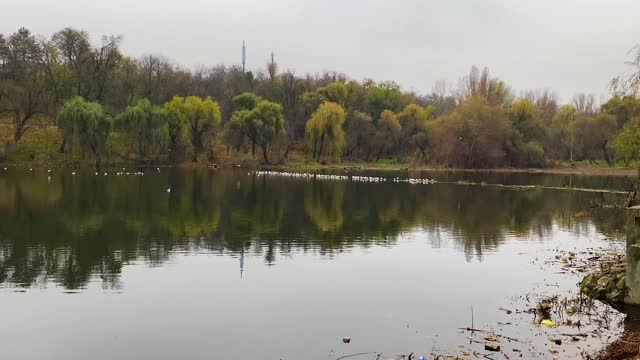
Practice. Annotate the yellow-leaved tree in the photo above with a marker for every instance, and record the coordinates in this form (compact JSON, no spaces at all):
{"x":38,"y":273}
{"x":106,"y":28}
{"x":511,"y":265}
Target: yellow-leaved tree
{"x":324,"y":132}
{"x":201,"y":117}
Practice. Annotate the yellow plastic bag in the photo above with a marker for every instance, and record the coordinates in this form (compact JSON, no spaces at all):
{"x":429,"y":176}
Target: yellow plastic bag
{"x":547,"y":323}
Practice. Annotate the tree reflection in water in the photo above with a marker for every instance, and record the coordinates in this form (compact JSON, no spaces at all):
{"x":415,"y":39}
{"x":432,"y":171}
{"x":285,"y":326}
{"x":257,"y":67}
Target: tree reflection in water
{"x":70,"y":228}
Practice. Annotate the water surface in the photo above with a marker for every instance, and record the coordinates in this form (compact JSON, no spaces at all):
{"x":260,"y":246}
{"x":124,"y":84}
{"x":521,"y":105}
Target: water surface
{"x":205,"y":264}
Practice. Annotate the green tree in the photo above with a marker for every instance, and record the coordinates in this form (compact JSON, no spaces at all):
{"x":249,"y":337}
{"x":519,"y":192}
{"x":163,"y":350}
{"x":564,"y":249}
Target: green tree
{"x":176,"y":127}
{"x":624,"y":108}
{"x":234,"y":133}
{"x":246,"y":101}
{"x":384,"y":96}
{"x":562,"y":131}
{"x":527,"y":135}
{"x":146,"y":123}
{"x":592,"y":135}
{"x":336,"y":92}
{"x":627,"y":142}
{"x":387,"y":132}
{"x":359,"y":131}
{"x":23,"y":87}
{"x":255,"y":119}
{"x":75,"y":51}
{"x":85,"y":126}
{"x":202,"y":118}
{"x":473,"y":136}
{"x":414,"y":120}
{"x":324,"y":131}
{"x":268,"y":122}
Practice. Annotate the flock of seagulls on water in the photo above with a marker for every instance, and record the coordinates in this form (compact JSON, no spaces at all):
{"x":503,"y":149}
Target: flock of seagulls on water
{"x":297,"y":175}
{"x":123,"y":172}
{"x":374,"y":179}
{"x":356,"y":178}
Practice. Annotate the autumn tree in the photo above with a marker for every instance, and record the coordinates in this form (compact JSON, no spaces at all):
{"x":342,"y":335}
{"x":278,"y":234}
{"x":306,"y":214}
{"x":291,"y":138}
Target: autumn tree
{"x":359,"y":131}
{"x":473,"y":136}
{"x":387,"y":131}
{"x":561,"y":132}
{"x":480,"y":84}
{"x":414,"y":121}
{"x":545,"y":102}
{"x":593,"y":135}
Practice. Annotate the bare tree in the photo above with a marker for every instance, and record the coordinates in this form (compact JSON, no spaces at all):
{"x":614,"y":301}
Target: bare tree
{"x":629,"y":83}
{"x":585,"y":103}
{"x":545,"y":101}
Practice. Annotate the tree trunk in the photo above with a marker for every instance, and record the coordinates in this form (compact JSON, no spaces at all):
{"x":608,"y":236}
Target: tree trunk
{"x":424,"y":155}
{"x":18,"y":123}
{"x":607,"y":158}
{"x":264,"y":154}
{"x":379,"y":153}
{"x":321,"y":146}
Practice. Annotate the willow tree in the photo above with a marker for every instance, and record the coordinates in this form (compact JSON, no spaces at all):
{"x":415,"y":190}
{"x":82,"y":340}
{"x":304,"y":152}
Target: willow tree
{"x":359,"y":130}
{"x":324,"y":130}
{"x":414,"y":120}
{"x":85,"y":126}
{"x":255,"y":119}
{"x":147,"y":124}
{"x":176,"y":127}
{"x":388,"y":131}
{"x":201,"y":117}
{"x":268,"y":122}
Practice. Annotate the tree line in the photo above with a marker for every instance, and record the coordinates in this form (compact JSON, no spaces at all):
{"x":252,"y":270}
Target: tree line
{"x":157,"y":110}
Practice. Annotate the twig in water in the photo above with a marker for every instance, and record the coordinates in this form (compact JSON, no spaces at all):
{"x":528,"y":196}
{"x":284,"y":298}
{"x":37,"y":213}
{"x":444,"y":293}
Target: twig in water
{"x":359,"y":354}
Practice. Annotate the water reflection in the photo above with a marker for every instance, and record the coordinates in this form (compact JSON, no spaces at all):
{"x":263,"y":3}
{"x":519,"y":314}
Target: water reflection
{"x":68,"y":229}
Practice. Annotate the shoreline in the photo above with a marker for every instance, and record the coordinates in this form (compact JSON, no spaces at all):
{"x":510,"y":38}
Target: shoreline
{"x":348,"y":166}
{"x":563,"y":170}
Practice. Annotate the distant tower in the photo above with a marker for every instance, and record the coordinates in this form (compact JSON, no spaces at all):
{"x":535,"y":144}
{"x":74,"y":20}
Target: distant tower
{"x":244,"y":55}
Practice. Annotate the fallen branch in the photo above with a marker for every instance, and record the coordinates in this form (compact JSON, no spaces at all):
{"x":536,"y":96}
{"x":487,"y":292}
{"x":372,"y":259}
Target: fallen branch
{"x":494,"y":334}
{"x":572,"y":335}
{"x":359,"y":354}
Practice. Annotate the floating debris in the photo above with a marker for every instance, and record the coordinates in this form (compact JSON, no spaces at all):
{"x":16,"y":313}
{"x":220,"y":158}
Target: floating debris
{"x":492,"y":346}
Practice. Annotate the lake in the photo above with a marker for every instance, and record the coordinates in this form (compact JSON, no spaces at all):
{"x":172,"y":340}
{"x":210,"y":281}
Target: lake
{"x":222,"y":264}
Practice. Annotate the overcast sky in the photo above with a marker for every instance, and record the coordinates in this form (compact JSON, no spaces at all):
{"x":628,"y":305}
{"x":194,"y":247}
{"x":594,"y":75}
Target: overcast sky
{"x":567,"y":45}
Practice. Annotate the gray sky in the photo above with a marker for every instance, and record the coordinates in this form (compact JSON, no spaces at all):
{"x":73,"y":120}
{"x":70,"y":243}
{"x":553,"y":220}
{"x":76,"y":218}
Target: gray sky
{"x":567,"y":45}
